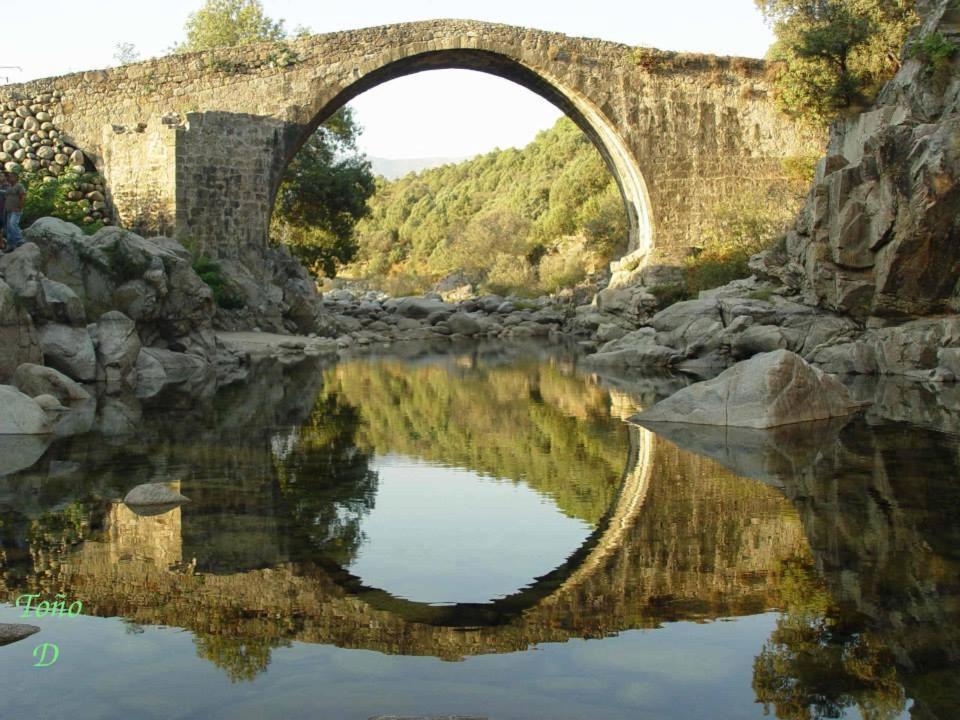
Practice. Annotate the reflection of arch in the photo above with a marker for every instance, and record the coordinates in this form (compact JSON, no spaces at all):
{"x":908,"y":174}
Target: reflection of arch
{"x":588,"y":560}
{"x":576,"y":106}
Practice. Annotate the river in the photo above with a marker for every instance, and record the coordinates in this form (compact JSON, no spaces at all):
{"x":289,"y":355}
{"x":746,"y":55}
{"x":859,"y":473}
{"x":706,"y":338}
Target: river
{"x":480,"y":533}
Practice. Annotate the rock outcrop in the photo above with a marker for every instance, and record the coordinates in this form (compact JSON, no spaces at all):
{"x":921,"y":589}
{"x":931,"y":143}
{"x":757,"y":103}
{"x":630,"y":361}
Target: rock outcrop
{"x":880,"y":232}
{"x":769,"y":390}
{"x":18,"y":337}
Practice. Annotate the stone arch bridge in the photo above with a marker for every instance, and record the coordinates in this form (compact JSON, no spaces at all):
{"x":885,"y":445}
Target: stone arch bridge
{"x":195,"y":145}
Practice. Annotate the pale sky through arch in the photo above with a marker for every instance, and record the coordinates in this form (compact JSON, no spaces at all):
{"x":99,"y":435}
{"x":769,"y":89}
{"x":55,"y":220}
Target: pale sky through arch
{"x":438,"y":113}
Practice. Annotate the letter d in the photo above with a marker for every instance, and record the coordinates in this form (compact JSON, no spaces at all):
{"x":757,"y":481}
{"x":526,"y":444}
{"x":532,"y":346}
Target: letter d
{"x":42,"y":662}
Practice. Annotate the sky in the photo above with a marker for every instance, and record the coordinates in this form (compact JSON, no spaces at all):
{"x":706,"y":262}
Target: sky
{"x":443,"y":113}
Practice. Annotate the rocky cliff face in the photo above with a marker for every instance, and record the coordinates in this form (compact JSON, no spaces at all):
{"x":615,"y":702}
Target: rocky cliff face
{"x":879,"y":233}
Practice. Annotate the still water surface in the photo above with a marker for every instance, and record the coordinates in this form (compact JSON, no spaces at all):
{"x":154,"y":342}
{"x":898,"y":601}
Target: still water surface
{"x":482,"y":534}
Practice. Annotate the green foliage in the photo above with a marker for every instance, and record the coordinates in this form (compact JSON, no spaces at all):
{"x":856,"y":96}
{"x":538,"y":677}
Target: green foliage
{"x":670,"y":293}
{"x":50,"y":197}
{"x":523,"y":221}
{"x":532,"y":423}
{"x":815,"y":667}
{"x":225,"y":23}
{"x":799,"y":170}
{"x":323,"y":194}
{"x":738,"y":228}
{"x":833,"y":56}
{"x":935,"y":51}
{"x":224,"y":295}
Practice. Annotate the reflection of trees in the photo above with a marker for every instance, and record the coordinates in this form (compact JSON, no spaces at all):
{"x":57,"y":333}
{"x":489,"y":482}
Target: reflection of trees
{"x":525,"y":422}
{"x":242,"y":658}
{"x":324,"y":479}
{"x":817,"y":662}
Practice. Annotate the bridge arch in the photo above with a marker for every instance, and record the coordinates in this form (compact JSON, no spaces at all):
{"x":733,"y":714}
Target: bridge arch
{"x":590,"y":119}
{"x":194,"y":145}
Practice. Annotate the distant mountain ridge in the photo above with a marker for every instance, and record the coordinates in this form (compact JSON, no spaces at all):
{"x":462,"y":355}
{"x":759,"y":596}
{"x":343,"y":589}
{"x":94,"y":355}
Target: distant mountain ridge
{"x":393,"y":168}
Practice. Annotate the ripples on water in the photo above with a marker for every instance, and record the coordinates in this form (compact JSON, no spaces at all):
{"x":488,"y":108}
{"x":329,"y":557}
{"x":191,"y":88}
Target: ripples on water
{"x":481,"y":534}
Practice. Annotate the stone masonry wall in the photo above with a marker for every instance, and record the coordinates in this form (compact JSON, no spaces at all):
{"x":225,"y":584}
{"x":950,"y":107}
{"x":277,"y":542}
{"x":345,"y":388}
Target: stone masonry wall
{"x":678,"y":131}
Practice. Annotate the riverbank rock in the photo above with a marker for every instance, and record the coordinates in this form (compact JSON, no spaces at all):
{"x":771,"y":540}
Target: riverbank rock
{"x":70,"y":350}
{"x":153,"y":499}
{"x":878,"y":234}
{"x":118,"y":346}
{"x":14,"y":632}
{"x":151,"y":281}
{"x":20,"y":414}
{"x":768,"y":390}
{"x":18,"y":338}
{"x":34,"y":380}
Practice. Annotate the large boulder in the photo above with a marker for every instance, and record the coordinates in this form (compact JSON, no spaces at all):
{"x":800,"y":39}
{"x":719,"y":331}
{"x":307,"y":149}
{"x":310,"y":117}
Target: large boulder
{"x":417,"y":307}
{"x":20,"y":414}
{"x":14,"y":632}
{"x":638,"y":349}
{"x":118,"y":346}
{"x":153,"y":499}
{"x":178,"y":367}
{"x":768,"y":390}
{"x":21,"y":272}
{"x":18,"y":338}
{"x":69,"y":350}
{"x":465,"y":323}
{"x":34,"y":380}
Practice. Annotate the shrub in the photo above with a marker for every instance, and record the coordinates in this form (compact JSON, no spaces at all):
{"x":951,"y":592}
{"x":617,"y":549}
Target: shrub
{"x":670,"y":294}
{"x":224,"y":295}
{"x":738,"y":228}
{"x":510,"y":275}
{"x":49,"y":197}
{"x":935,"y":51}
{"x":561,"y":270}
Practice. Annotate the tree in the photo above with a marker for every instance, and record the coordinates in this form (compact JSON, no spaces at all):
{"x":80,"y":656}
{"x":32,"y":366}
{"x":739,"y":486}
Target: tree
{"x":225,"y":23}
{"x":125,"y":53}
{"x":323,"y":194}
{"x":325,"y":188}
{"x":834,"y":55}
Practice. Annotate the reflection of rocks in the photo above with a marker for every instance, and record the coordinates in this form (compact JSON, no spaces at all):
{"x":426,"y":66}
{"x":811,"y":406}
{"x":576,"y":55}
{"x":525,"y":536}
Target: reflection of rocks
{"x":769,"y":455}
{"x":877,"y":504}
{"x":14,"y":632}
{"x":18,"y":452}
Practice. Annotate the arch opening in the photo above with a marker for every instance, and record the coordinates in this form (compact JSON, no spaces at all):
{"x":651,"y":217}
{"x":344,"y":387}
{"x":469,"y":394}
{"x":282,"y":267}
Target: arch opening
{"x":611,"y":147}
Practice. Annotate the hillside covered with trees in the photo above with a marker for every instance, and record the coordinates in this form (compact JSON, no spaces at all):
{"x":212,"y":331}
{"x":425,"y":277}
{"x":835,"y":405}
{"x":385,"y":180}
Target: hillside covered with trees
{"x":535,"y":219}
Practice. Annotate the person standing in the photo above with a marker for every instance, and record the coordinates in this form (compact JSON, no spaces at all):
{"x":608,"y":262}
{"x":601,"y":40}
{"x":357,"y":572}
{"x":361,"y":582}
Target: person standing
{"x":3,"y":211}
{"x":13,"y":206}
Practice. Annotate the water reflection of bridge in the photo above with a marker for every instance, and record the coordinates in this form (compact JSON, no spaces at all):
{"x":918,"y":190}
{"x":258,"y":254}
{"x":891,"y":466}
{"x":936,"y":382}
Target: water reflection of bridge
{"x":685,"y":538}
{"x":686,"y":560}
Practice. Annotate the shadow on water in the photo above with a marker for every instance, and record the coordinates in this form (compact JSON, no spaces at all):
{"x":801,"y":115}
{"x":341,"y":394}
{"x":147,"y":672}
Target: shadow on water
{"x":849,"y":529}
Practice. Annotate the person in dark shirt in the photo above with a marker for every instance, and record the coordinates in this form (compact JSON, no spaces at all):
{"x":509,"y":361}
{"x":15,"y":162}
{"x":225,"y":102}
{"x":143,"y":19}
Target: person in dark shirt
{"x":3,"y":211}
{"x":13,"y":205}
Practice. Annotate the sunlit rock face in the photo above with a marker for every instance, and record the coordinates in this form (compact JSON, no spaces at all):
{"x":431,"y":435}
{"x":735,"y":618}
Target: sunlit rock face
{"x":878,"y":235}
